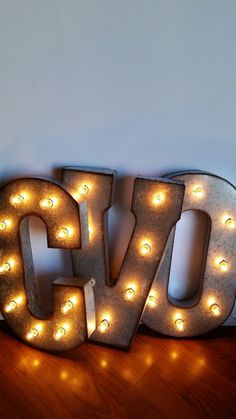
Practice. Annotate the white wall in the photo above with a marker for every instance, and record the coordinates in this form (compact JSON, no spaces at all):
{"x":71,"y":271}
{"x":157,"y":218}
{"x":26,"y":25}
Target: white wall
{"x":144,"y":87}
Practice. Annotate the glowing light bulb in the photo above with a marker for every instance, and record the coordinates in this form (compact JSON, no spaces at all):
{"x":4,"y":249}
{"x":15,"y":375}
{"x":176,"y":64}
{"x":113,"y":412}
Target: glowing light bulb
{"x":33,"y":333}
{"x":229,"y":222}
{"x":84,"y":189}
{"x":215,"y":309}
{"x":179,"y":324}
{"x":145,"y":248}
{"x":224,"y":266}
{"x":16,"y":199}
{"x":11,"y":306}
{"x":198,"y":192}
{"x":5,"y":267}
{"x":104,"y":325}
{"x":66,"y":307}
{"x":47,"y":203}
{"x":3,"y":225}
{"x":63,"y":233}
{"x":152,"y":301}
{"x":158,"y":198}
{"x":59,"y":333}
{"x":129,"y":294}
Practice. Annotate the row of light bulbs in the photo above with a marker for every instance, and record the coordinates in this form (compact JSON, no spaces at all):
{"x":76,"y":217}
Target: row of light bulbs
{"x":152,"y":302}
{"x":57,"y":335}
{"x":35,"y":331}
{"x":65,"y":308}
{"x":49,"y":202}
{"x":62,"y":234}
{"x":104,"y":324}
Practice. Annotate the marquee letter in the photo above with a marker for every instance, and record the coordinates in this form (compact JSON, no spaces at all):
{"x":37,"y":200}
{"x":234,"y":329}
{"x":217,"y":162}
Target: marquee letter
{"x":157,"y":205}
{"x":217,"y":198}
{"x":66,"y":328}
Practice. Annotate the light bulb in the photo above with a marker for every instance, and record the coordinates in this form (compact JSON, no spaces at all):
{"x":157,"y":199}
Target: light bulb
{"x":16,"y":199}
{"x":84,"y":189}
{"x":179,"y":324}
{"x":59,"y":333}
{"x":145,"y":248}
{"x":63,"y":233}
{"x":104,"y":325}
{"x":33,"y":333}
{"x":229,"y":222}
{"x":152,"y":301}
{"x":66,"y":307}
{"x":215,"y":309}
{"x":198,"y":192}
{"x":47,"y":203}
{"x":11,"y":306}
{"x":224,"y":266}
{"x":158,"y":198}
{"x":5,"y":267}
{"x":3,"y":225}
{"x":129,"y":294}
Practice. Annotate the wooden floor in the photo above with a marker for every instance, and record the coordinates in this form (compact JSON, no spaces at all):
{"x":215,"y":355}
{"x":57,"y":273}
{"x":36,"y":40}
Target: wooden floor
{"x":158,"y":378}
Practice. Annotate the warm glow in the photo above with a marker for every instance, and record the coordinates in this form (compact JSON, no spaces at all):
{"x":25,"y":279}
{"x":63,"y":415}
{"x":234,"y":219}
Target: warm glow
{"x":10,"y":307}
{"x":66,"y":307}
{"x":158,"y":198}
{"x":174,"y":355}
{"x":179,"y":324}
{"x":33,"y":333}
{"x":215,"y":309}
{"x":129,"y":294}
{"x":73,"y":299}
{"x":17,"y":199}
{"x":103,"y":363}
{"x":5,"y":267}
{"x":36,"y":362}
{"x":4,"y":224}
{"x":152,"y":301}
{"x":48,"y":203}
{"x":64,"y":375}
{"x":83,"y":189}
{"x":223,"y":265}
{"x":59,"y":333}
{"x":145,"y":248}
{"x":19,"y":299}
{"x":13,"y":304}
{"x":229,"y":222}
{"x":198,"y":192}
{"x":64,"y":233}
{"x":90,"y":230}
{"x":104,"y":325}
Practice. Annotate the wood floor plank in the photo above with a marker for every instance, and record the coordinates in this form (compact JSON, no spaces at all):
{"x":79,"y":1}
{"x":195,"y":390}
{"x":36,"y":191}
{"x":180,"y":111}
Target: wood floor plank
{"x":158,"y":378}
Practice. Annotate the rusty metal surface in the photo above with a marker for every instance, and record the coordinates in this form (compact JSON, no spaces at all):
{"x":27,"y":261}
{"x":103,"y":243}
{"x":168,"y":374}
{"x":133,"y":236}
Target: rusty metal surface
{"x":218,"y":201}
{"x":16,"y":274}
{"x":117,"y":314}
